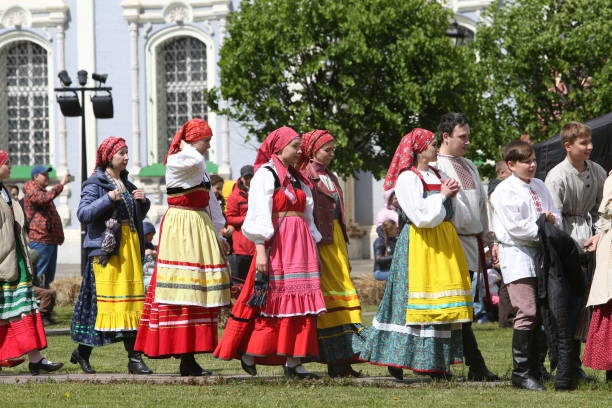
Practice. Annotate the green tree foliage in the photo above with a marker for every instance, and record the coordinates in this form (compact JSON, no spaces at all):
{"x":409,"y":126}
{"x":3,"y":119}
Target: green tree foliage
{"x":367,"y":70}
{"x":528,"y":47}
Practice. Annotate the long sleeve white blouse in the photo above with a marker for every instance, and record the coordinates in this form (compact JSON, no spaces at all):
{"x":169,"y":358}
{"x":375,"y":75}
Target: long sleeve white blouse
{"x":258,"y":225}
{"x":426,"y":212}
{"x":187,"y":169}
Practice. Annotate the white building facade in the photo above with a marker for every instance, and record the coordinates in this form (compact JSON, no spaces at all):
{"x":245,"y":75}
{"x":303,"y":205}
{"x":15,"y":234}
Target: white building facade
{"x":159,"y":55}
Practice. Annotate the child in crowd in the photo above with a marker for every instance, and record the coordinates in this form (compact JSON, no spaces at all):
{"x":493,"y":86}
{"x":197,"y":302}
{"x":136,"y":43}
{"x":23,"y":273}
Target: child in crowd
{"x":384,"y":246}
{"x":148,"y":265}
{"x":517,"y":203}
{"x":576,"y":186}
{"x":216,"y":187}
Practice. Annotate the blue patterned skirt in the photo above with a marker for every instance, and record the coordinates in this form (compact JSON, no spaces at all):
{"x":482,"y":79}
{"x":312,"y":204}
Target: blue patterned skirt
{"x":390,"y":342}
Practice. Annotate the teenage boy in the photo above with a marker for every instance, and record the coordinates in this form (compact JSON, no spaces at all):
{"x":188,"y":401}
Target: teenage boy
{"x":576,"y":186}
{"x":454,"y":132}
{"x":517,"y":203}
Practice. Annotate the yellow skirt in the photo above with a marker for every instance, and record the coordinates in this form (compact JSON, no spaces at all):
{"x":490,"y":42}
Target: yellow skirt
{"x":119,"y":286}
{"x":439,"y":287}
{"x":190,"y":267}
{"x":340,"y":296}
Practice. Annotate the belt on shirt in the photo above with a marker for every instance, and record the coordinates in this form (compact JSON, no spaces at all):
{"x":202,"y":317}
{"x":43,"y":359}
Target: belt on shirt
{"x":585,"y":216}
{"x":182,"y":207}
{"x":528,"y":244}
{"x":288,"y":214}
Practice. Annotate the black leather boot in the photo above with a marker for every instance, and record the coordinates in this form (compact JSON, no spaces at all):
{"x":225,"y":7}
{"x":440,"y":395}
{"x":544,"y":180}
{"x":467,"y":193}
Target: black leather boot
{"x":522,"y":342}
{"x":609,"y":376}
{"x":396,"y":372}
{"x":48,"y":367}
{"x":539,"y":350}
{"x":135,"y":363}
{"x":473,"y":357}
{"x":81,"y":356}
{"x":190,"y":368}
{"x":579,"y":374}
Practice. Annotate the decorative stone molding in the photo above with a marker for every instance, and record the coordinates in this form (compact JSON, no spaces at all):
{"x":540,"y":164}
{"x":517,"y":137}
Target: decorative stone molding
{"x":178,"y":12}
{"x":32,"y":13}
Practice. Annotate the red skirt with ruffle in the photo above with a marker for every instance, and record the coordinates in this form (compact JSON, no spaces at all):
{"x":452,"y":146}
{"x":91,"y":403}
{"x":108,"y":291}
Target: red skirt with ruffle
{"x":21,"y":336}
{"x":598,"y":350}
{"x":269,"y":339}
{"x":170,"y":330}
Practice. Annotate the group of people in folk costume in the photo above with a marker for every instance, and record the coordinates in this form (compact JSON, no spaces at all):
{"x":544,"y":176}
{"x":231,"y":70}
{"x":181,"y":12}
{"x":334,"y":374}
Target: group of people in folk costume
{"x":298,"y":303}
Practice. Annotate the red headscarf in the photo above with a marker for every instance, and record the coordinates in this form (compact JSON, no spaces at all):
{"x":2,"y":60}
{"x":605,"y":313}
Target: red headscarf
{"x":414,"y":142}
{"x":275,"y":142}
{"x":311,"y":143}
{"x":3,"y":157}
{"x":107,"y":149}
{"x":192,"y":131}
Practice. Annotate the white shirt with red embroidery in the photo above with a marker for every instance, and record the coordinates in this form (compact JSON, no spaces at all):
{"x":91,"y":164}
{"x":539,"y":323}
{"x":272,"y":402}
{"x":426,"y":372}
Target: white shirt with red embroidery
{"x":517,"y":206}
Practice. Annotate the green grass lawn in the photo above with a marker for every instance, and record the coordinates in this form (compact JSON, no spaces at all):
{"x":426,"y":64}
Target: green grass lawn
{"x":494,"y":343}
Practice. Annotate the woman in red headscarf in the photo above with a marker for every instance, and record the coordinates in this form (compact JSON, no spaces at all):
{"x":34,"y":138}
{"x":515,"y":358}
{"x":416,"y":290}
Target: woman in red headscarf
{"x":427,"y":296}
{"x":191,"y":281}
{"x":111,"y":298}
{"x":274,"y":319}
{"x":21,"y":326}
{"x":342,"y":321}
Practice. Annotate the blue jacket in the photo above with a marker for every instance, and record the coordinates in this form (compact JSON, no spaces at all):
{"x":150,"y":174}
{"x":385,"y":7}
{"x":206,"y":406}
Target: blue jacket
{"x":96,"y":207}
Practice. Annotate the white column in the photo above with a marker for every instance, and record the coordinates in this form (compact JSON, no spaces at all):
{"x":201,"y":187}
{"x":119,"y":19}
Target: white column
{"x":134,"y":68}
{"x":86,"y":46}
{"x":60,"y":37}
{"x":225,"y":169}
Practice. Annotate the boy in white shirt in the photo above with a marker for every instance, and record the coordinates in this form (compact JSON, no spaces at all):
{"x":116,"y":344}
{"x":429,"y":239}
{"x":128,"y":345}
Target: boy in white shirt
{"x":517,"y":203}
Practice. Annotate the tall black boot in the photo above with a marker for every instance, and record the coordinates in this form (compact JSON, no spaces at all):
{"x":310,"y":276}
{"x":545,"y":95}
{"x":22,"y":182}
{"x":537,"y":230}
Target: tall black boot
{"x":135,"y":363}
{"x":81,"y":356}
{"x":190,"y":368}
{"x":579,"y":374}
{"x":539,"y":350}
{"x":522,"y":342}
{"x":609,"y":376}
{"x":473,"y":357}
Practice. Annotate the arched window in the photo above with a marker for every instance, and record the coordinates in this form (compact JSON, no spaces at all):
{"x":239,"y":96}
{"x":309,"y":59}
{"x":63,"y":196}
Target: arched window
{"x":182,"y":78}
{"x":24,"y":101}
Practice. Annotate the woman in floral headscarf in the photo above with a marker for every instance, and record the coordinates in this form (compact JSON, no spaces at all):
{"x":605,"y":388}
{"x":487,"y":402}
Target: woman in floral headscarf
{"x":191,"y":281}
{"x":342,"y":322}
{"x":274,"y":319}
{"x":112,"y":293}
{"x":21,"y":326}
{"x":428,"y":295}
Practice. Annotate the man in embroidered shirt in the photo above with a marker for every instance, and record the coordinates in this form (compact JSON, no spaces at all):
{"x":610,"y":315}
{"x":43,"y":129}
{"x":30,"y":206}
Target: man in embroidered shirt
{"x":454,"y":132}
{"x":44,"y":225}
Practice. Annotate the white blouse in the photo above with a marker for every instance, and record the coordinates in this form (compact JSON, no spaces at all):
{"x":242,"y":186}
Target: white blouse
{"x":514,"y":224}
{"x":187,"y":169}
{"x":426,"y":212}
{"x":258,"y":225}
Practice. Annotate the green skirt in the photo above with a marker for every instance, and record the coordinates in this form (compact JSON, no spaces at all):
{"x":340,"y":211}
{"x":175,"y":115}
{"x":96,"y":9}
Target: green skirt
{"x":17,"y":297}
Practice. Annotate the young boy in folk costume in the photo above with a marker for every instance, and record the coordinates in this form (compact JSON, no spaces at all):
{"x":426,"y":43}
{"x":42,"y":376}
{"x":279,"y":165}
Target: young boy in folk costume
{"x":517,"y":203}
{"x":576,"y":186}
{"x":427,"y":296}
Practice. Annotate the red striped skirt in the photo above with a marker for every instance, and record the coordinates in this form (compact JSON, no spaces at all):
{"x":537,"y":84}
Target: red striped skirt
{"x":21,"y":336}
{"x":598,"y":350}
{"x":269,"y":339}
{"x":170,"y":330}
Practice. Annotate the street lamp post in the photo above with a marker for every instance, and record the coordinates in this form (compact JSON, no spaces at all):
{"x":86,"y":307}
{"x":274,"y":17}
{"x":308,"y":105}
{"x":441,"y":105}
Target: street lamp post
{"x":70,"y":106}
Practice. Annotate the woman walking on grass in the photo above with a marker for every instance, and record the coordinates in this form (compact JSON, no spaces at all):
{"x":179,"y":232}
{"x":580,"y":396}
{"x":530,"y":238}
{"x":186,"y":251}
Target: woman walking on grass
{"x":191,"y":281}
{"x":428,"y":295}
{"x":112,"y":292}
{"x":342,"y":321}
{"x":274,"y":319}
{"x":21,"y":326}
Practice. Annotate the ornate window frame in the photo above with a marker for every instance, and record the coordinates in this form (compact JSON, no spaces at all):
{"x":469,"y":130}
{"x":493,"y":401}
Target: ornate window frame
{"x":13,"y":36}
{"x":152,"y":49}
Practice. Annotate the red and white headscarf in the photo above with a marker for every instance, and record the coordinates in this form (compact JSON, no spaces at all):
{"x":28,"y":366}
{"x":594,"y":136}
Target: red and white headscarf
{"x":414,"y":142}
{"x":107,"y":149}
{"x":311,"y":143}
{"x":274,"y":143}
{"x":192,"y":131}
{"x":4,"y":157}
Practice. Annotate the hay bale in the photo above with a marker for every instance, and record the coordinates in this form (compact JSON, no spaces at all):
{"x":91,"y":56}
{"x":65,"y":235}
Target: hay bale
{"x":67,"y":290}
{"x":370,"y":290}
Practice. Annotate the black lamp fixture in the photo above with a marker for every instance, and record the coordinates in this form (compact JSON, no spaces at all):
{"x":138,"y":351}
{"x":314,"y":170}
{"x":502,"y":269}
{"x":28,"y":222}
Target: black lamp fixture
{"x":69,"y":101}
{"x":102,"y":104}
